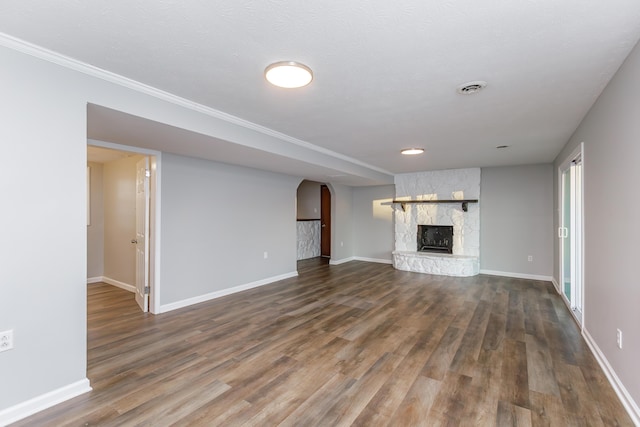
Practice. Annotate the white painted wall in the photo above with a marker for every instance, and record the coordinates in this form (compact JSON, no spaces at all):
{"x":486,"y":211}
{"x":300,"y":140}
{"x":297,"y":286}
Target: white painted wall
{"x":95,"y":231}
{"x":308,"y":200}
{"x":611,"y":136}
{"x":516,"y":220}
{"x":120,"y":219}
{"x":373,"y":222}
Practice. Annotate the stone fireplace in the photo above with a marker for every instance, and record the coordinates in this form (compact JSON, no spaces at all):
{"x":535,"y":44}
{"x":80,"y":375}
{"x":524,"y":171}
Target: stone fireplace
{"x":454,"y":254}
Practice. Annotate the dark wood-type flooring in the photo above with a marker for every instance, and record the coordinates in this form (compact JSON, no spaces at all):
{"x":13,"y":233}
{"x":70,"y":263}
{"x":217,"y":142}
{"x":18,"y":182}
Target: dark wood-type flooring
{"x":355,"y":344}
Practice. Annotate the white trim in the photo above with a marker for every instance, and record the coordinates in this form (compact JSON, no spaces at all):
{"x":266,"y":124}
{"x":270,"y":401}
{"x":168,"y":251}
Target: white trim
{"x":341,"y":261}
{"x":44,"y":401}
{"x":376,"y":260}
{"x":96,"y":279}
{"x":556,"y":284}
{"x":518,"y":275}
{"x":627,"y":401}
{"x":217,"y":294}
{"x":82,"y":67}
{"x":119,"y":284}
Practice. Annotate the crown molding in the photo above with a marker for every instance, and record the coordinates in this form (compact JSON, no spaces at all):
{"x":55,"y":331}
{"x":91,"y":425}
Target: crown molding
{"x":40,"y":52}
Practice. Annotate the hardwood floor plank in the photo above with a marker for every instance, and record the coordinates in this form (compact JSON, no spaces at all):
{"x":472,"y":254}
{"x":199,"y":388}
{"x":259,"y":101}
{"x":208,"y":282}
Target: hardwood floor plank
{"x":541,"y":376}
{"x":515,"y":380}
{"x":354,"y":344}
{"x":417,"y":403}
{"x":512,"y":415}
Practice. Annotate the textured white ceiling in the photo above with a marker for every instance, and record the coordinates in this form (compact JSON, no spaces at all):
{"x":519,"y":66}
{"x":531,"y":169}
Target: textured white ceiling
{"x":385,"y":73}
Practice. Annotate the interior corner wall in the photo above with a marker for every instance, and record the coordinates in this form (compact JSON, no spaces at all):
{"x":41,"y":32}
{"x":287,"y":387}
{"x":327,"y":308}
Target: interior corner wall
{"x":308,"y":200}
{"x":44,"y":240}
{"x":218,"y":221}
{"x":516,"y":219}
{"x":373,"y":231}
{"x":341,"y":222}
{"x":610,"y":132}
{"x":95,"y":230}
{"x":119,"y":181}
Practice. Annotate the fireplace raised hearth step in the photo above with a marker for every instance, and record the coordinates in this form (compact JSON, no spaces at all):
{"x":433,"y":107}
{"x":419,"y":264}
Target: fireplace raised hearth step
{"x":433,"y":263}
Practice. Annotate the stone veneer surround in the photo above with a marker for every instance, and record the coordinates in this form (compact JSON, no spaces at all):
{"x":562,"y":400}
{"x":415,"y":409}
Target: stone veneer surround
{"x":438,"y":185}
{"x":308,"y":233}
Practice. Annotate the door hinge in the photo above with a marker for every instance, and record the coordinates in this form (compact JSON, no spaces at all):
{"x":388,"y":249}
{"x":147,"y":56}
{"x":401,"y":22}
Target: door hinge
{"x":147,"y":173}
{"x":146,"y":290}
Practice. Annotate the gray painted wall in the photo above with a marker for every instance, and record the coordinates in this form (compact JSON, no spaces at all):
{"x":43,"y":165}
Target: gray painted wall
{"x":516,"y":219}
{"x":373,"y":222}
{"x":44,"y":233}
{"x":341,"y":222}
{"x":308,"y":200}
{"x":95,"y":230}
{"x":217,"y":222}
{"x":611,"y":136}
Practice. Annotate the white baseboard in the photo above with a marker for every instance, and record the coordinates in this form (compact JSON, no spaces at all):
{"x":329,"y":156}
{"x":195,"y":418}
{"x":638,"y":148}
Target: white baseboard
{"x":42,"y":402}
{"x":341,"y":261}
{"x":110,"y":281}
{"x":376,"y":260}
{"x":624,"y":396}
{"x":555,"y":283}
{"x":217,"y":294}
{"x":517,"y":275}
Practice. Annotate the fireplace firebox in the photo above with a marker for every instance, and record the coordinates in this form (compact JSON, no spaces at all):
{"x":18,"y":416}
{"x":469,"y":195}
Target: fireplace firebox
{"x":435,"y":238}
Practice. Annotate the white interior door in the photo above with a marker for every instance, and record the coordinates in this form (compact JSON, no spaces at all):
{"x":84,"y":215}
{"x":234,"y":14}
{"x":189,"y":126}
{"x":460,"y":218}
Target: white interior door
{"x":142,"y":234}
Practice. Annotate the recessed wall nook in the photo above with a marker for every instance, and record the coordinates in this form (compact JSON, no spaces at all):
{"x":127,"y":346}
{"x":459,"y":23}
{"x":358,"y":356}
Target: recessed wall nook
{"x":447,"y":199}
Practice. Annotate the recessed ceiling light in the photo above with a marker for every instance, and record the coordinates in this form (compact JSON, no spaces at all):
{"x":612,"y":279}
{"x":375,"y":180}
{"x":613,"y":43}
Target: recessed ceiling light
{"x":471,"y":87}
{"x":412,"y":151}
{"x":288,"y":74}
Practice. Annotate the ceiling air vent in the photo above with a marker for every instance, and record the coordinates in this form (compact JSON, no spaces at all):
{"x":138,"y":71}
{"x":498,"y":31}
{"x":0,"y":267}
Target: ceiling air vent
{"x":471,"y":87}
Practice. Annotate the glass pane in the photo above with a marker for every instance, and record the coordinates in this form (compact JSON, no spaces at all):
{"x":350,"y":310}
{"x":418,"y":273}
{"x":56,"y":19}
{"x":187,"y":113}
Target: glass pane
{"x":566,"y":241}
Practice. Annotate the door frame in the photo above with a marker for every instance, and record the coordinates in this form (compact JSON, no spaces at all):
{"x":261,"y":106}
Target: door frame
{"x":577,"y":237}
{"x":155,"y":166}
{"x":324,"y":224}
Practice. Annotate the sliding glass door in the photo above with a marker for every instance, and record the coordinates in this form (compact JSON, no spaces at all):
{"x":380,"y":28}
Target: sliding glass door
{"x":570,"y":232}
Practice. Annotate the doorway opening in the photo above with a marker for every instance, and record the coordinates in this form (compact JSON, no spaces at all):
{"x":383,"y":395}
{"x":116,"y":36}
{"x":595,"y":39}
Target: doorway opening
{"x":571,"y":232}
{"x":325,"y":221}
{"x":123,"y":240}
{"x":313,"y":217}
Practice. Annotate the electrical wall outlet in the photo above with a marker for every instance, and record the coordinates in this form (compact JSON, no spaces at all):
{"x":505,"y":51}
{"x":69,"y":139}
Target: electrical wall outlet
{"x":6,"y":340}
{"x":619,"y":338}
{"x":530,"y":258}
{"x":266,"y":254}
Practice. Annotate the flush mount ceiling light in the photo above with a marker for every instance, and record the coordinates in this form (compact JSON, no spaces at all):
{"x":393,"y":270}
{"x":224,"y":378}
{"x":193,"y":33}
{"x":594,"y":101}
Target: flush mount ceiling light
{"x":288,"y":74}
{"x":412,"y":151}
{"x":471,"y":87}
